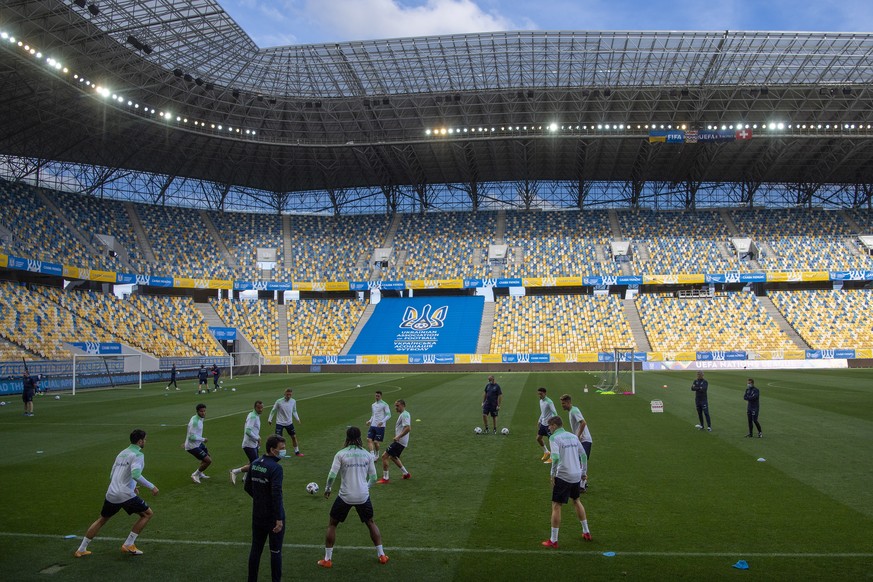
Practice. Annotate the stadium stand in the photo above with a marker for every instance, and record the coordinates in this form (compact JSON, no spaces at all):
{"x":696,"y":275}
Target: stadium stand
{"x":733,"y":321}
{"x":37,"y":233}
{"x":257,"y":320}
{"x":800,"y":239}
{"x":181,"y":244}
{"x":559,"y":324}
{"x":558,"y":244}
{"x":319,"y":327}
{"x":332,"y":248}
{"x":243,"y":233}
{"x":442,"y":245}
{"x":677,"y":242}
{"x":829,"y":319}
{"x":9,"y":351}
{"x":181,"y":319}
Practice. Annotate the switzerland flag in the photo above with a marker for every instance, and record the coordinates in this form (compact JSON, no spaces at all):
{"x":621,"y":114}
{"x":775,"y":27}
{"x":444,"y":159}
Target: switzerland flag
{"x":744,"y":134}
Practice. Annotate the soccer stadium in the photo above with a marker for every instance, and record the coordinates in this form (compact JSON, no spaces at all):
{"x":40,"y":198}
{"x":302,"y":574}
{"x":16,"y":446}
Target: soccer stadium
{"x":603,"y":214}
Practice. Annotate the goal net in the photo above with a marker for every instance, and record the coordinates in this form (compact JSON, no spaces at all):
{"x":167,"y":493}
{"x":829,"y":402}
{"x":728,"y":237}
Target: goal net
{"x":619,"y":375}
{"x":246,"y":363}
{"x":108,"y":371}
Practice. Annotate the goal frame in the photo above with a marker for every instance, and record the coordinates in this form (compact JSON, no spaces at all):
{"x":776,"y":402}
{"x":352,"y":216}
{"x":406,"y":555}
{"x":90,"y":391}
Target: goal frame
{"x":237,"y":359}
{"x":623,"y":360}
{"x":105,"y":358}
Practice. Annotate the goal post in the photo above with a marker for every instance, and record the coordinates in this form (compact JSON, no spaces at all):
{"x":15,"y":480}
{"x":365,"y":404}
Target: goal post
{"x":242,"y":363}
{"x":619,"y":372}
{"x":91,"y":371}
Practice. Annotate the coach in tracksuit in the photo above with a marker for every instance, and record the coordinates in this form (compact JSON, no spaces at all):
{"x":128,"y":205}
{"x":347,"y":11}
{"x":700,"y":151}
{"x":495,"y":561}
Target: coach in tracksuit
{"x":753,"y":397}
{"x":264,"y":484}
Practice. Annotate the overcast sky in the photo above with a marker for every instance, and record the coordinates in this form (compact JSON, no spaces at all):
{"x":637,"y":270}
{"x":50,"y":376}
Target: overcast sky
{"x":288,"y":22}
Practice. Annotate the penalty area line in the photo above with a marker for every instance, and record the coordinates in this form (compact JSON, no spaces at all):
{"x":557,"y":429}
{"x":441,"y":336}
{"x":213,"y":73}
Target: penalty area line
{"x":422,"y":550}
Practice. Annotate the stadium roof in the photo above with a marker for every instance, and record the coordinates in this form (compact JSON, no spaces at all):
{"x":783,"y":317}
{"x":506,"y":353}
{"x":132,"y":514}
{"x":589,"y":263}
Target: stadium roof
{"x":175,"y":88}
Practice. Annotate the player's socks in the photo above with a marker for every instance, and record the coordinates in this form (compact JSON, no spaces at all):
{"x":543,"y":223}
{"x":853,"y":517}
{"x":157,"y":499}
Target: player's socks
{"x":403,"y":470}
{"x":584,"y":523}
{"x":385,"y":475}
{"x":131,"y":539}
{"x":84,"y":545}
{"x":328,"y":554}
{"x":554,"y":536}
{"x":379,"y":551}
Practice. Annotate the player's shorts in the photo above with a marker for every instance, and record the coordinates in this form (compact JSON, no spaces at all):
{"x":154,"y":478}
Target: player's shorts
{"x":203,"y":382}
{"x":376,"y":433}
{"x":488,"y":408}
{"x":543,"y":430}
{"x":701,"y":406}
{"x":200,"y":452}
{"x":133,"y":505}
{"x":27,"y":396}
{"x":752,"y":412}
{"x":395,"y":449}
{"x":587,"y":447}
{"x":563,"y":491}
{"x":288,"y":427}
{"x":251,"y":453}
{"x":340,"y":510}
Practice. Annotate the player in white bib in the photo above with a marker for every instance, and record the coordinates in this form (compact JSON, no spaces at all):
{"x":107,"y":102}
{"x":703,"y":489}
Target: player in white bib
{"x":547,"y":411}
{"x":569,"y":466}
{"x":357,"y":471}
{"x":123,"y":494}
{"x":195,"y":443}
{"x":251,"y":439}
{"x":285,"y":411}
{"x":381,"y":412}
{"x":401,"y":441}
{"x":579,"y":427}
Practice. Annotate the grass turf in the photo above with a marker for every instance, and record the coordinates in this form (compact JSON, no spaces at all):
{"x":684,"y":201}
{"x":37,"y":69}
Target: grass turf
{"x":671,"y":502}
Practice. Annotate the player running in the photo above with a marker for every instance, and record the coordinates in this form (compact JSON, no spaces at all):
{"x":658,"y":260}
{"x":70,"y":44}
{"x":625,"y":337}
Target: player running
{"x":401,"y":440}
{"x":547,"y":411}
{"x":580,"y":428}
{"x":195,"y":443}
{"x":285,"y":411}
{"x":381,"y":412}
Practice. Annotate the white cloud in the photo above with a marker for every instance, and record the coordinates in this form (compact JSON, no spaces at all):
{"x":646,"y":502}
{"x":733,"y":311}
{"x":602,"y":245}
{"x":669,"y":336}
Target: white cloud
{"x":370,"y":19}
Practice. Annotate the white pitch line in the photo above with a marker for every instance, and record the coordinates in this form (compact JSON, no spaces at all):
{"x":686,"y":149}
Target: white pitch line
{"x":421,"y":550}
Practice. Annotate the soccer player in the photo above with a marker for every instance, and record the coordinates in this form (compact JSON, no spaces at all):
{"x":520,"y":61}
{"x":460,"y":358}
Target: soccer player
{"x":264,"y":484}
{"x":216,"y":374}
{"x":172,"y":378}
{"x":195,"y":443}
{"x":401,"y":441}
{"x":357,"y":471}
{"x":202,"y":382}
{"x":251,"y":439}
{"x":381,"y":412}
{"x":285,"y":411}
{"x":568,"y":468}
{"x":752,"y":396}
{"x":580,"y":429}
{"x":547,"y":411}
{"x":491,"y":401}
{"x":123,"y":494}
{"x":699,"y":387}
{"x":27,"y":393}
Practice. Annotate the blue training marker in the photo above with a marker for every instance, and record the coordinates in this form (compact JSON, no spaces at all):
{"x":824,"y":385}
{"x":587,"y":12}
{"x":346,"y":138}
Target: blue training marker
{"x":609,"y":554}
{"x":741,"y":565}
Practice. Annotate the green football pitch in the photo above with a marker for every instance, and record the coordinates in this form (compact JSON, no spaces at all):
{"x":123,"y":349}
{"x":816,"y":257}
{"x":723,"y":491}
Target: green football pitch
{"x":669,"y":501}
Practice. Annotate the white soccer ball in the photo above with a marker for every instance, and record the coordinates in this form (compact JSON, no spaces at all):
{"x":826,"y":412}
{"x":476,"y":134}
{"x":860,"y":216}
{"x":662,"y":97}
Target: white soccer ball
{"x":233,"y":389}
{"x":2,"y":403}
{"x":57,"y":397}
{"x":504,"y":431}
{"x":220,"y":382}
{"x":477,"y":430}
{"x":312,"y":488}
{"x":359,"y":385}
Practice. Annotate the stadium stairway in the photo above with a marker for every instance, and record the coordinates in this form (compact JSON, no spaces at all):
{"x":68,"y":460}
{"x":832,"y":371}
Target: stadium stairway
{"x":729,"y":222}
{"x":856,"y":228}
{"x":614,"y":225}
{"x":212,"y":319}
{"x":392,"y":231}
{"x":500,"y":232}
{"x":286,"y":242}
{"x":365,"y":317}
{"x":483,"y":344}
{"x":139,"y":232}
{"x":50,"y":205}
{"x":284,"y":348}
{"x":723,"y":251}
{"x":783,"y":324}
{"x":632,"y":315}
{"x":219,"y":242}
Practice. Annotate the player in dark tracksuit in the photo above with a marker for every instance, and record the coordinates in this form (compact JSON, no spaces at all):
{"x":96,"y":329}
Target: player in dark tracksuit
{"x":202,"y":382}
{"x":28,"y":391}
{"x":752,"y":396}
{"x":172,"y":378}
{"x":264,"y":484}
{"x":699,"y":387}
{"x":216,"y":374}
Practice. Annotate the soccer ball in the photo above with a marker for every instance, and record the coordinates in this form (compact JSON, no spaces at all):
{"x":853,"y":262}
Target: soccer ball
{"x":477,"y":430}
{"x":504,"y":431}
{"x":233,"y":389}
{"x":57,"y":397}
{"x":3,"y":403}
{"x":359,"y":385}
{"x":221,"y":382}
{"x":312,"y":488}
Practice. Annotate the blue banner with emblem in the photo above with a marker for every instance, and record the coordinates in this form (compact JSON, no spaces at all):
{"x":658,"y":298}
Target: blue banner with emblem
{"x":223,"y":333}
{"x":840,"y":354}
{"x":34,"y":266}
{"x":98,"y":348}
{"x":851,"y":275}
